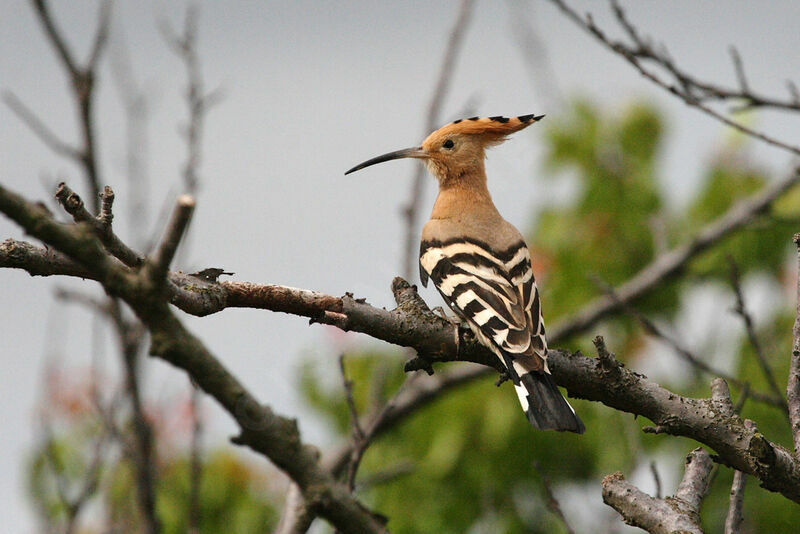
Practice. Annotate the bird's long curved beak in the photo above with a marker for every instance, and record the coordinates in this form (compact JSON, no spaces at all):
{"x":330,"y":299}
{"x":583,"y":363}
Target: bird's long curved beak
{"x":414,"y":152}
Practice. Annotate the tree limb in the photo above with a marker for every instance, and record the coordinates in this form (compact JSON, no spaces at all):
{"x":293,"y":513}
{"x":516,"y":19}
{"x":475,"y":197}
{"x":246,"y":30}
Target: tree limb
{"x":275,"y":437}
{"x":679,"y":513}
{"x":604,"y":379}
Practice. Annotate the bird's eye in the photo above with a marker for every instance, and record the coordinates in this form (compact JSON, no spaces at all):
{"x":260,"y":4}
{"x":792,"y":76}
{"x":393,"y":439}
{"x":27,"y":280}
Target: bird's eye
{"x":448,"y":144}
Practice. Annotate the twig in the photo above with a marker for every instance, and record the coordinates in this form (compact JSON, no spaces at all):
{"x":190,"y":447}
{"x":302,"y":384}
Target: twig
{"x":733,"y":521}
{"x":411,"y":209}
{"x":654,"y":330}
{"x":73,"y":204}
{"x":359,"y":444}
{"x":793,"y":384}
{"x":670,"y":263}
{"x":551,"y":501}
{"x":656,"y":478}
{"x":684,"y":86}
{"x":158,"y":264}
{"x":131,"y":336}
{"x":82,"y":83}
{"x":199,"y":103}
{"x":39,"y":128}
{"x":194,"y":510}
{"x":741,"y":310}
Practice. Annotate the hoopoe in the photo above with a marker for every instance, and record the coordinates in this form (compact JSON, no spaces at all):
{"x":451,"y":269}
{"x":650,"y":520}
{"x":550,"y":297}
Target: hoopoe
{"x":480,"y":264}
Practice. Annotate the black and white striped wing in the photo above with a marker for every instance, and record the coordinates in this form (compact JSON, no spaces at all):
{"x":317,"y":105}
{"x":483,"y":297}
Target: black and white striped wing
{"x":495,"y":292}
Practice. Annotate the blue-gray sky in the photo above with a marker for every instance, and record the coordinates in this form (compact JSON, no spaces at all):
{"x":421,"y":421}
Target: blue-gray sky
{"x":311,"y":88}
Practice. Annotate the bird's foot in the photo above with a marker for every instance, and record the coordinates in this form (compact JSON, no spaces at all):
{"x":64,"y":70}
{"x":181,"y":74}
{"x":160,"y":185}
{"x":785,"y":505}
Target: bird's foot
{"x":502,"y":378}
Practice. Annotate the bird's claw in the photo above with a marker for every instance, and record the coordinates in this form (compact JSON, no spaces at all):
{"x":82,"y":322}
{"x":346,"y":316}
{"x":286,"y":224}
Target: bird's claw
{"x":502,"y":378}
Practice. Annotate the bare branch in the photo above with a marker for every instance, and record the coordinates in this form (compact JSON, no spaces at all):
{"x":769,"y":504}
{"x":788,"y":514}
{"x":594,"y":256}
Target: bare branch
{"x":679,"y":513}
{"x":52,"y":33}
{"x":684,"y":86}
{"x":359,"y":444}
{"x":656,"y":479}
{"x":733,"y":521}
{"x":82,"y":84}
{"x":740,"y":75}
{"x":159,"y":262}
{"x":73,"y":204}
{"x":297,"y":516}
{"x":101,"y":35}
{"x":669,"y":264}
{"x":551,"y":501}
{"x":194,"y":510}
{"x":199,"y":102}
{"x":761,"y":358}
{"x":39,"y":128}
{"x":273,"y":436}
{"x":435,"y":339}
{"x":793,"y":385}
{"x":411,"y":210}
{"x":131,"y":336}
{"x":654,"y":330}
{"x":694,"y":485}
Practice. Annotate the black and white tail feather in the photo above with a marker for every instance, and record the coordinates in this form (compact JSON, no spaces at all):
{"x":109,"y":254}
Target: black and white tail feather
{"x":495,"y":293}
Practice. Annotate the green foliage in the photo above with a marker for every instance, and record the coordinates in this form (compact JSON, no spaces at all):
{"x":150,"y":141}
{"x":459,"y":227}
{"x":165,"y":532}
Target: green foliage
{"x":472,"y":451}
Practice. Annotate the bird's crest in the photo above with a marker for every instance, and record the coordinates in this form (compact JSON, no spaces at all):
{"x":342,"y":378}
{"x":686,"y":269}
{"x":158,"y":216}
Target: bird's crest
{"x":492,"y":129}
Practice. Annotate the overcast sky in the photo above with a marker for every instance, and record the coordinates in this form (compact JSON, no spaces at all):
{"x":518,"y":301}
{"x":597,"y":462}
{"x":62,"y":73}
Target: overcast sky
{"x":311,"y":88}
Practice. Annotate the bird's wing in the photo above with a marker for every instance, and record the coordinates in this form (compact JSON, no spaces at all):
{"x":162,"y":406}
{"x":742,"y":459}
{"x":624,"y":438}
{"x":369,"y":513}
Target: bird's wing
{"x":495,"y":292}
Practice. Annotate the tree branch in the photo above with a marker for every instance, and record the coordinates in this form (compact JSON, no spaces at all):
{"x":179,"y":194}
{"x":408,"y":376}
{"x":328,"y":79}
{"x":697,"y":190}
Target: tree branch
{"x":82,"y":83}
{"x":733,"y":520}
{"x":684,"y":87}
{"x":436,"y":340}
{"x":654,"y":330}
{"x":670,"y":263}
{"x":273,"y":436}
{"x":761,"y":358}
{"x":793,"y":384}
{"x":680,"y":513}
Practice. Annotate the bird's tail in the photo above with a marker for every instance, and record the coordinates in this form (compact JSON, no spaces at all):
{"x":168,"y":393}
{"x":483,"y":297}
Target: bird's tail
{"x":544,"y":405}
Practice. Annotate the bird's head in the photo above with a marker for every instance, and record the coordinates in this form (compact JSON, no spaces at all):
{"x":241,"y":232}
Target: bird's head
{"x":458,"y":149}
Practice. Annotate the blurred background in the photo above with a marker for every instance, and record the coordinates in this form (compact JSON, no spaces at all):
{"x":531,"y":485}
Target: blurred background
{"x":618,"y":171}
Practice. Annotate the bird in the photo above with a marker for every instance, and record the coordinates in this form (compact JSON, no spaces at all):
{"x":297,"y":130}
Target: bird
{"x":481,"y":265}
